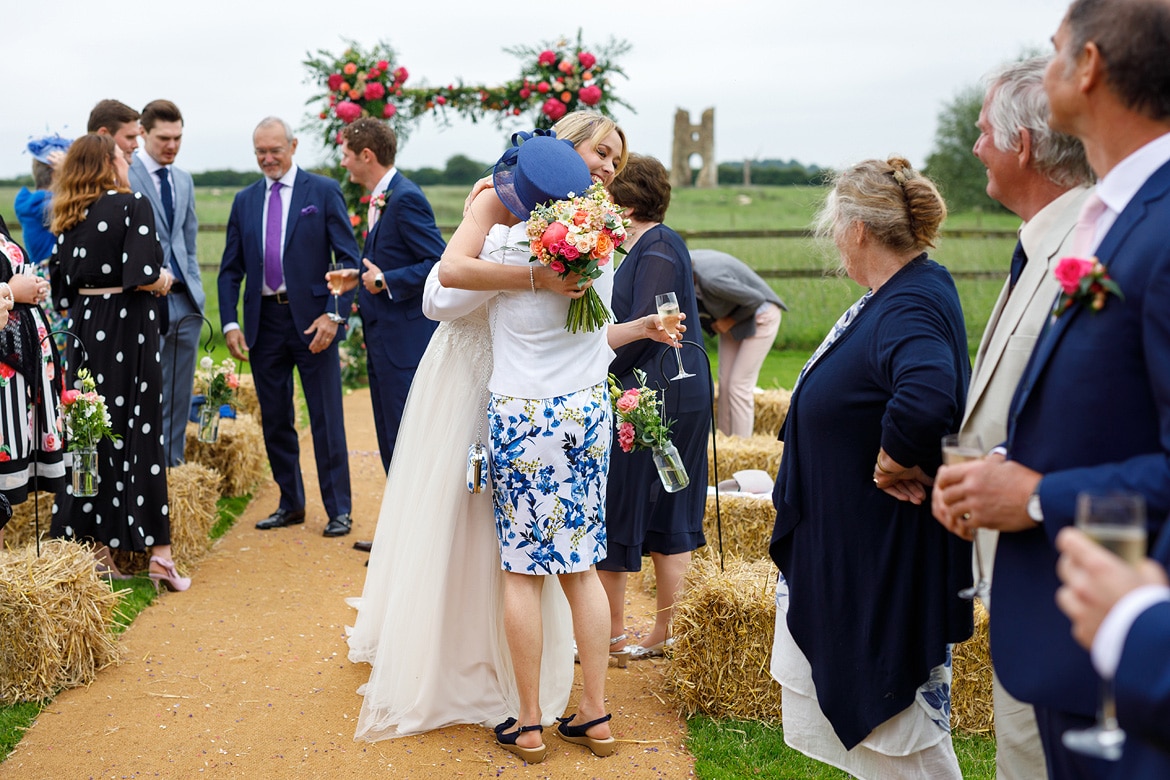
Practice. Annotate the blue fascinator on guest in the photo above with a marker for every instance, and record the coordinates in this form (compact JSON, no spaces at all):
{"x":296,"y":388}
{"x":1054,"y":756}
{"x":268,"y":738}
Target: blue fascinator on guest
{"x":41,"y":147}
{"x":537,"y":168}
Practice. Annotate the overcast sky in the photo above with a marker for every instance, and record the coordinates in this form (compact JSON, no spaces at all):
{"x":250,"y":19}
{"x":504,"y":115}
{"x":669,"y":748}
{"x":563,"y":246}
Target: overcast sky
{"x":822,"y":82}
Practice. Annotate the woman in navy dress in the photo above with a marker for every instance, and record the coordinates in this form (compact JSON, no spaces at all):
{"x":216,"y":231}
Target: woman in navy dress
{"x":641,"y":517}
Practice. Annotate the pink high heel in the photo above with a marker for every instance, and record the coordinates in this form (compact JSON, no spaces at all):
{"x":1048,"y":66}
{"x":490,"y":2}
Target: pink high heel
{"x":171,"y":578}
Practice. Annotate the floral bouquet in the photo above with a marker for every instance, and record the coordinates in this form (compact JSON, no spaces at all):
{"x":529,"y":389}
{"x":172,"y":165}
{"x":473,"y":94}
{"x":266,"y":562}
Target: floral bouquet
{"x":218,"y":383}
{"x":87,"y":421}
{"x":641,"y":426}
{"x":579,"y":235}
{"x":1085,"y":281}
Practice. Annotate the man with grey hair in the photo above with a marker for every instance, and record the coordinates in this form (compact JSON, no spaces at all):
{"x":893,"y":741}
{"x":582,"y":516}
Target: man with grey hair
{"x":1041,"y":176}
{"x":281,"y":235}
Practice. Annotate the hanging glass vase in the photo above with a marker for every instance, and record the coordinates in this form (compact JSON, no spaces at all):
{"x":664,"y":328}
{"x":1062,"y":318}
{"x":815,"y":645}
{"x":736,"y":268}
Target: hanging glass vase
{"x":85,"y":472}
{"x":671,"y":470}
{"x":208,"y":424}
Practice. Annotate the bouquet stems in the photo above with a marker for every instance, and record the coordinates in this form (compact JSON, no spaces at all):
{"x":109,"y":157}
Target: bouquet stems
{"x":587,"y":313}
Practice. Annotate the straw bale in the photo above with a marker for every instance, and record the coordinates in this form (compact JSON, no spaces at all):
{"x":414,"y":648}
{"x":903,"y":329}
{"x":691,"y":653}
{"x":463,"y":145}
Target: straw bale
{"x":737,"y":454}
{"x":56,"y":616}
{"x":192,"y":491}
{"x":21,"y":529}
{"x":723,"y":627}
{"x":971,"y":697}
{"x":747,"y":525}
{"x":238,"y":456}
{"x":771,"y":408}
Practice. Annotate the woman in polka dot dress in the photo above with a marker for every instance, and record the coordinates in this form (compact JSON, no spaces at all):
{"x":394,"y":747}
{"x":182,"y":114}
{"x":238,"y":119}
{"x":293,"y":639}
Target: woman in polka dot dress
{"x":107,"y":268}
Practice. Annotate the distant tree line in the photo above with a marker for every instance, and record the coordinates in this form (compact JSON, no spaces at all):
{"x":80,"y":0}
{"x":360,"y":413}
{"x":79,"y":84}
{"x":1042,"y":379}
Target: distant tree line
{"x":770,"y":173}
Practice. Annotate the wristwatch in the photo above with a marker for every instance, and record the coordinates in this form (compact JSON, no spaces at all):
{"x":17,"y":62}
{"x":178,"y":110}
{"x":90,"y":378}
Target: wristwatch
{"x":1033,"y":507}
{"x":379,"y":282}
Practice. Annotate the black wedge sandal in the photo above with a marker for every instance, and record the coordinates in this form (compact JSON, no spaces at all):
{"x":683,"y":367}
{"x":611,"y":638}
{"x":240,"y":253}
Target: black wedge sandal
{"x":507,"y":740}
{"x":577,"y":735}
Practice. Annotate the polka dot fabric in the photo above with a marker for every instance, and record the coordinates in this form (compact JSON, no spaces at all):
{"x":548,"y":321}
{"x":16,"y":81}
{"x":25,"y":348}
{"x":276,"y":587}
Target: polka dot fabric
{"x":117,"y":246}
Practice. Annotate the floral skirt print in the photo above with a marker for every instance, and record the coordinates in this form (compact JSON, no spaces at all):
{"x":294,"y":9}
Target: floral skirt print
{"x":550,"y":460}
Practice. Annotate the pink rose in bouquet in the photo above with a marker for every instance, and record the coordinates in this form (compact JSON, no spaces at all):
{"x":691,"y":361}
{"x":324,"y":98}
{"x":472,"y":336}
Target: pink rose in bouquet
{"x":553,"y":235}
{"x":638,"y":414}
{"x":590,"y":95}
{"x":383,"y":65}
{"x":543,"y":87}
{"x":389,"y":110}
{"x":587,"y":60}
{"x":335,"y":81}
{"x":547,"y":57}
{"x":375,"y":91}
{"x":69,"y":396}
{"x":400,"y":75}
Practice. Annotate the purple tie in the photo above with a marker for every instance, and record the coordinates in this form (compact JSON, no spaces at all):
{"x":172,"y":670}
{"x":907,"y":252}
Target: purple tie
{"x":273,"y":274}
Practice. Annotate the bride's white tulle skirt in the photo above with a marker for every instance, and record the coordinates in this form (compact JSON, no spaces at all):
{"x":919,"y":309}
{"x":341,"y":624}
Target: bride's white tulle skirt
{"x":430,"y":619}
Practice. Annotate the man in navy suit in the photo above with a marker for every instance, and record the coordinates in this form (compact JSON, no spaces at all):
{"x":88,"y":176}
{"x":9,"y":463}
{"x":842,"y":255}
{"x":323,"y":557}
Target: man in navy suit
{"x":1092,"y":410}
{"x":171,"y":192}
{"x":401,"y":247}
{"x":281,"y":234}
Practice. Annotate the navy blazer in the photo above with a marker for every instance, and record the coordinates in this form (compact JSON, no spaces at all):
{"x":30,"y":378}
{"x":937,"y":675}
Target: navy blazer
{"x":405,"y":244}
{"x":318,"y":229}
{"x":1091,"y":412}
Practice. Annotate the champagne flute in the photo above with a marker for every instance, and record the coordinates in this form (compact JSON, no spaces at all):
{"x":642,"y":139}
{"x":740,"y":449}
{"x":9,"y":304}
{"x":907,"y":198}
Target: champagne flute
{"x":964,"y":448}
{"x":668,"y":312}
{"x":335,"y":288}
{"x":1116,"y":521}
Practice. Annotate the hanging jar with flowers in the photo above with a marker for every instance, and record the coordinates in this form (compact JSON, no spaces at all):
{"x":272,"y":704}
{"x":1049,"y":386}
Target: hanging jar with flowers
{"x":87,"y":421}
{"x":641,"y":425}
{"x":218,"y":383}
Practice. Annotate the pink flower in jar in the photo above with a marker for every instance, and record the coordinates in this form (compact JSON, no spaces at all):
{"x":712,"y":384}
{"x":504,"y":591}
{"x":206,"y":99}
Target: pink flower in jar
{"x":629,"y":400}
{"x":626,"y":436}
{"x":69,"y":396}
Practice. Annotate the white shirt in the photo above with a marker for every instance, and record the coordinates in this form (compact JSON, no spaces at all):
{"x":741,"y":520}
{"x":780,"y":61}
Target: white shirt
{"x":1119,"y":186}
{"x":534,"y":356}
{"x":152,"y":165}
{"x":285,"y":199}
{"x":1114,"y":630}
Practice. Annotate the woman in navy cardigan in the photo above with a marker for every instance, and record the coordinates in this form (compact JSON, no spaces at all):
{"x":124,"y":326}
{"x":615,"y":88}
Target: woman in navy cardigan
{"x":867,"y":604}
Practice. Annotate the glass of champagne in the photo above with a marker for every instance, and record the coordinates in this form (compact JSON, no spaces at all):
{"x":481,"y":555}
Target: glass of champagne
{"x":963,"y":448}
{"x":1116,"y":521}
{"x":668,"y":311}
{"x":335,"y":287}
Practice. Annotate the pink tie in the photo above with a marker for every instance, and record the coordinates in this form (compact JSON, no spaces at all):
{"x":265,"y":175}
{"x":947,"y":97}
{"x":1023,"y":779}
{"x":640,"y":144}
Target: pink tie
{"x":1086,"y":231}
{"x":372,"y":215}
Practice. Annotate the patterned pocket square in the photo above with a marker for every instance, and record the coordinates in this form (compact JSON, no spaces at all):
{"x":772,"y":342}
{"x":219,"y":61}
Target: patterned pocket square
{"x":307,"y":210}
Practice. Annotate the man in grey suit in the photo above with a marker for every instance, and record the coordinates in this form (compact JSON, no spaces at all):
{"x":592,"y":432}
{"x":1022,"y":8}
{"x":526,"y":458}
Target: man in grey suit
{"x":172,"y":194}
{"x":1041,"y":176}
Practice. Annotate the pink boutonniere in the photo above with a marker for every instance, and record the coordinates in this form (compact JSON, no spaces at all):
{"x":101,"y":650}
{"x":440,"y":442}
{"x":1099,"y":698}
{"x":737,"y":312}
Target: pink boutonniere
{"x":379,"y":201}
{"x":1084,"y":281}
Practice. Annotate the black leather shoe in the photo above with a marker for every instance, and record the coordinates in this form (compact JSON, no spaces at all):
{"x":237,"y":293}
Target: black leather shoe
{"x":363,"y":546}
{"x":338,"y":526}
{"x":282,"y":517}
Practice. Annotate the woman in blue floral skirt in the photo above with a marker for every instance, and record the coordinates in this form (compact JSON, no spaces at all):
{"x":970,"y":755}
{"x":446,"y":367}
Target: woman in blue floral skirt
{"x":548,"y":417}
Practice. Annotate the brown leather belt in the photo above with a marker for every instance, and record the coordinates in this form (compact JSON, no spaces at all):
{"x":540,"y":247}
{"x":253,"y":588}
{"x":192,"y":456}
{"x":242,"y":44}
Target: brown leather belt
{"x":280,"y":297}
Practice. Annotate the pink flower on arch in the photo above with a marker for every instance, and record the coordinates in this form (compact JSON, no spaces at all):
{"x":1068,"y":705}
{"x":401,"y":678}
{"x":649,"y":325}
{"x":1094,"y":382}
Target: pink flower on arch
{"x":590,"y":95}
{"x":547,"y":57}
{"x":553,"y":109}
{"x":347,"y":111}
{"x":374,"y":91}
{"x":587,"y":60}
{"x":335,"y":81}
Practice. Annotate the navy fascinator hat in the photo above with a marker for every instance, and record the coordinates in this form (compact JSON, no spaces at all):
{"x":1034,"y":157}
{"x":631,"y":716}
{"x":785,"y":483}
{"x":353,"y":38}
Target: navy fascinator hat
{"x":538,"y":168}
{"x":40,"y":148}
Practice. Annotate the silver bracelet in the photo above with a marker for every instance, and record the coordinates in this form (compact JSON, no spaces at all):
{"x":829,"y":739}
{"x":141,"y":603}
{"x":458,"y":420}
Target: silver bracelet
{"x":531,"y":279}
